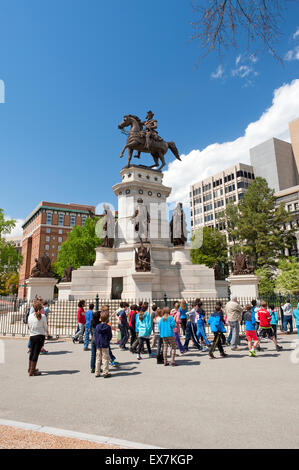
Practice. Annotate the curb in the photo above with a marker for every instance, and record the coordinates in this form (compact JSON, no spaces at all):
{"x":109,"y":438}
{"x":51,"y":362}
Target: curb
{"x":76,"y":435}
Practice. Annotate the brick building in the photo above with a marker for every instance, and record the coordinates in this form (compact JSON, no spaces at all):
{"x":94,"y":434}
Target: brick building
{"x":45,"y":229}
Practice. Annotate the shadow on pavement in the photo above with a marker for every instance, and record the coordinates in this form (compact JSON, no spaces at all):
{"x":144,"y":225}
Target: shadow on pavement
{"x":60,"y":372}
{"x":115,"y":374}
{"x":185,"y":362}
{"x":58,"y":353}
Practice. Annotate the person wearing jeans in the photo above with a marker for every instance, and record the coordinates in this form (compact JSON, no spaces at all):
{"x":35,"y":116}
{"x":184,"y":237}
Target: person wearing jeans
{"x":123,"y":326}
{"x":287,"y":316}
{"x":191,"y":328}
{"x":234,"y":312}
{"x":81,"y":322}
{"x":88,"y":317}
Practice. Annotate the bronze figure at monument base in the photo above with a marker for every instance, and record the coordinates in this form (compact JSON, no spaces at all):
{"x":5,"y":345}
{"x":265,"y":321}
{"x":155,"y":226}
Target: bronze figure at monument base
{"x":241,"y":265}
{"x":142,"y":259}
{"x":42,"y":267}
{"x":67,"y":277}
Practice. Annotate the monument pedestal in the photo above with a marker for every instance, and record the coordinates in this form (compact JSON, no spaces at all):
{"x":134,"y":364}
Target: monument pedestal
{"x":114,"y":270}
{"x":244,"y":285}
{"x":40,"y":286}
{"x":64,"y":290}
{"x":140,"y":286}
{"x":104,"y":257}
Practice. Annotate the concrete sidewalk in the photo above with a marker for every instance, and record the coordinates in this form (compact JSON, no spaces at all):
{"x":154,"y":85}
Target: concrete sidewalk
{"x":237,"y":402}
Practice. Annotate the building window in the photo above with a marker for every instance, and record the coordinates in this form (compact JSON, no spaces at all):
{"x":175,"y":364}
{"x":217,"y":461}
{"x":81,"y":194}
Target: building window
{"x":61,"y":220}
{"x":49,"y":218}
{"x":73,"y":220}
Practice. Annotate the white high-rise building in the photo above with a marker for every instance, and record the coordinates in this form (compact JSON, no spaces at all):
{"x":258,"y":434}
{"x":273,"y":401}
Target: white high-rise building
{"x":209,"y":197}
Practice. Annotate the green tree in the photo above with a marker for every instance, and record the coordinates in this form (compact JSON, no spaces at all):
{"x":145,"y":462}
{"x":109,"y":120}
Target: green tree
{"x":213,"y":249}
{"x":10,"y":259}
{"x":267,"y":280}
{"x":79,"y":248}
{"x":287,"y":280}
{"x":256,"y":226}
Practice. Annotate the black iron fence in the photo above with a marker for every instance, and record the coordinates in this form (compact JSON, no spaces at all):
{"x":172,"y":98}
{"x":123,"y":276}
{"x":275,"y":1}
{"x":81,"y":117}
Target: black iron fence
{"x":62,"y":319}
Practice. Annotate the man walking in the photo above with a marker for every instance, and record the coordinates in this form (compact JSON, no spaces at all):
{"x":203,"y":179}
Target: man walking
{"x":287,"y":316}
{"x":234,"y":311}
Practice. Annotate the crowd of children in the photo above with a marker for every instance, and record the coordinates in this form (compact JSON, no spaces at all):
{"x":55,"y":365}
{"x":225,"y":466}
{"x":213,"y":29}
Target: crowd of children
{"x":161,"y":328}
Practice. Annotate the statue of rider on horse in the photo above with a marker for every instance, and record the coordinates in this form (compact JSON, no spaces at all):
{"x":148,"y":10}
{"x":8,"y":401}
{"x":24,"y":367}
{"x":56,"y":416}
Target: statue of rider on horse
{"x":146,"y":141}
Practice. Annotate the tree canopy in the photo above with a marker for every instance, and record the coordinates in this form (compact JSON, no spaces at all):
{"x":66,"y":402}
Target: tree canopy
{"x":287,"y":280}
{"x":257,"y":227}
{"x":222,"y":24}
{"x":10,"y":259}
{"x":213,"y":249}
{"x":79,"y":248}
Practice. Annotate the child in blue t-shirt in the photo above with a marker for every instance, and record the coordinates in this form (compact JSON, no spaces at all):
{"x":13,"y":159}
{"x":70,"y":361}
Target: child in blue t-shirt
{"x":274,"y":321}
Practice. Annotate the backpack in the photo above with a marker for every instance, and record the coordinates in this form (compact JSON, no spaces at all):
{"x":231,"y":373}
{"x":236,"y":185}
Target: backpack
{"x":26,"y":315}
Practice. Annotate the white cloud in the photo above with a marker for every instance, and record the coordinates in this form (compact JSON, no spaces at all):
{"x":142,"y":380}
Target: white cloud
{"x":17,"y":231}
{"x":219,"y":72}
{"x":200,"y":164}
{"x":296,"y":34}
{"x":292,"y":54}
{"x":253,"y":58}
{"x":242,"y":71}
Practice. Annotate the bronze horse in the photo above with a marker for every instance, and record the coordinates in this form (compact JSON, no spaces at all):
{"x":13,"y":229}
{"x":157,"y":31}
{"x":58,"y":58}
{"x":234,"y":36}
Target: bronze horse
{"x":136,"y":141}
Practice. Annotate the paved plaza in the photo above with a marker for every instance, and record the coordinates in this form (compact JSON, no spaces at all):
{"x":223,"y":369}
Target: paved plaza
{"x":235,"y":402}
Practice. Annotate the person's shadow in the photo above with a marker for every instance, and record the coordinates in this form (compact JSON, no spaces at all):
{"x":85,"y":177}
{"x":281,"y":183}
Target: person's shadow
{"x":58,"y":353}
{"x":60,"y":372}
{"x":120,"y":373}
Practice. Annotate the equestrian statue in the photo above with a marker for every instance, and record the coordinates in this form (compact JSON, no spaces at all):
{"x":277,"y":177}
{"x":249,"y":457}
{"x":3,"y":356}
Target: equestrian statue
{"x":144,"y":138}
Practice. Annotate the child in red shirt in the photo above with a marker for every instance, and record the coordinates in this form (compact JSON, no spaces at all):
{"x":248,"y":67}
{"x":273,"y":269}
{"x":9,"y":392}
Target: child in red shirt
{"x":266,"y":330}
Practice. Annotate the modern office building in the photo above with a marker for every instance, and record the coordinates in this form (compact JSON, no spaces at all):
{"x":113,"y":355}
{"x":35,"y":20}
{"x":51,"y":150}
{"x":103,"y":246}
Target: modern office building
{"x":45,"y":229}
{"x":210,"y":197}
{"x":274,"y":160}
{"x":290,"y":198}
{"x":294,"y":134}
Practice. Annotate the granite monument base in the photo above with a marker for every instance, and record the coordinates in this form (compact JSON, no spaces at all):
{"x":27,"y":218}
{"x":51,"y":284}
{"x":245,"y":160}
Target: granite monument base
{"x":244,"y":286}
{"x":40,"y":286}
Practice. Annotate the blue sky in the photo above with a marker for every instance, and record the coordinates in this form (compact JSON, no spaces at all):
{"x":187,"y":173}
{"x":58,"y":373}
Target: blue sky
{"x":73,"y":68}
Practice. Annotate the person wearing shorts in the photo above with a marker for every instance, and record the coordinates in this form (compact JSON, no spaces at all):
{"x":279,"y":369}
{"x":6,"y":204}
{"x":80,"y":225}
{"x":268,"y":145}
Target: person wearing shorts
{"x":265,"y":330}
{"x":251,"y":336}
